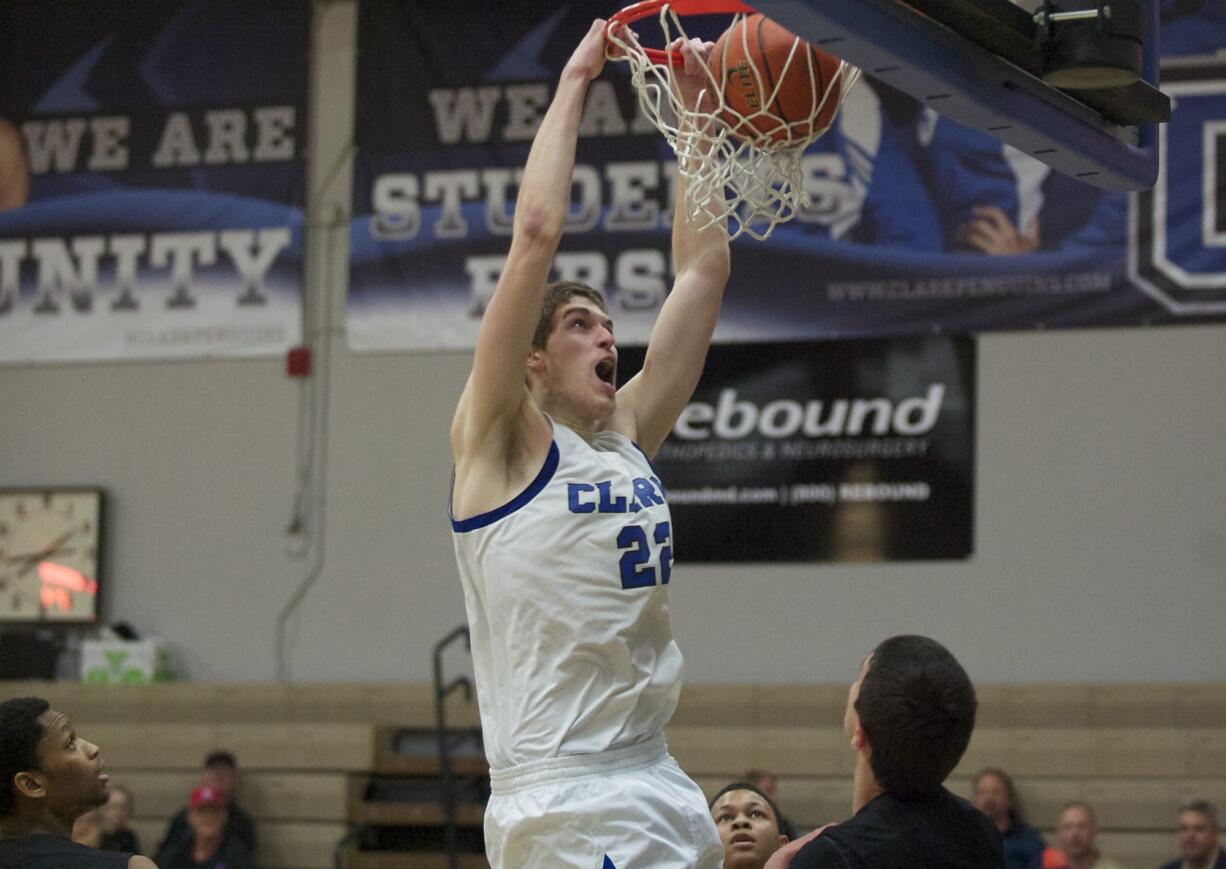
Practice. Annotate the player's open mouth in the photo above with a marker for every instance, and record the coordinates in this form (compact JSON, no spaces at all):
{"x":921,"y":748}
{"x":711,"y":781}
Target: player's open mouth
{"x":606,"y":370}
{"x":742,"y":839}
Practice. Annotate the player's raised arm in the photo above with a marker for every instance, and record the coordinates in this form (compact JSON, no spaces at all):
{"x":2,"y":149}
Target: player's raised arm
{"x":494,"y":397}
{"x":651,"y":402}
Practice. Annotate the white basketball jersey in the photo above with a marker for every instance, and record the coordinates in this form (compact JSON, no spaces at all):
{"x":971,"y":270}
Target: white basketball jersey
{"x":566,"y":588}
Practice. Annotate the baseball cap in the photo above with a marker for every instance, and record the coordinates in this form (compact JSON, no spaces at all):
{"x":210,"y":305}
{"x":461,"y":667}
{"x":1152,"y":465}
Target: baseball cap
{"x":205,"y":796}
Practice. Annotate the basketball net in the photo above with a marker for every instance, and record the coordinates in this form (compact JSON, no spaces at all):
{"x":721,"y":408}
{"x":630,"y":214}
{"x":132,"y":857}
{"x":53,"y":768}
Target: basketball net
{"x":748,"y":186}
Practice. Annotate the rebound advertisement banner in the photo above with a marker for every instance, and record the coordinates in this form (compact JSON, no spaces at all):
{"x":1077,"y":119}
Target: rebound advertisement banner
{"x":152,"y":178}
{"x":833,"y":451}
{"x":914,"y":226}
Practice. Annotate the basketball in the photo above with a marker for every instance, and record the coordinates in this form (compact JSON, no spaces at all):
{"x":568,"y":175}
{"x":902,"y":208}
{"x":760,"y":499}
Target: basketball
{"x":755,"y":61}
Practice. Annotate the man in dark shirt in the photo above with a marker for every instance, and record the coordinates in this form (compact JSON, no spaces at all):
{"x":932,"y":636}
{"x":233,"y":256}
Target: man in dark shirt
{"x":1199,"y":830}
{"x":909,"y":718}
{"x":206,"y":847}
{"x":49,"y":777}
{"x":747,"y":821}
{"x":996,"y":796}
{"x":221,"y":775}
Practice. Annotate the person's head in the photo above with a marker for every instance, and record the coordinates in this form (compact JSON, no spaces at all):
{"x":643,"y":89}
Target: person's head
{"x":48,"y":775}
{"x":1198,"y":831}
{"x":910,"y":713}
{"x":748,"y":825}
{"x":573,"y":363}
{"x":994,"y":794}
{"x":1078,"y":830}
{"x":206,"y":812}
{"x":766,"y":781}
{"x":118,"y":811}
{"x":221,"y":774}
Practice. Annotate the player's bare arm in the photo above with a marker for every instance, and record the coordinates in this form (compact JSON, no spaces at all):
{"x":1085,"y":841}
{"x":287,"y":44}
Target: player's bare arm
{"x":499,"y":437}
{"x":650,"y":403}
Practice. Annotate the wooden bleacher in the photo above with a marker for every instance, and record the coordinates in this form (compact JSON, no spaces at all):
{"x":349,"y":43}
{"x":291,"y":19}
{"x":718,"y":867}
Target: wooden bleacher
{"x":1135,"y":752}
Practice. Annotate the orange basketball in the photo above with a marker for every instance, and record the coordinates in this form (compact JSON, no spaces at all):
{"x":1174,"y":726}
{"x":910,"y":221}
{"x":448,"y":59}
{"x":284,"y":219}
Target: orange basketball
{"x":751,"y":57}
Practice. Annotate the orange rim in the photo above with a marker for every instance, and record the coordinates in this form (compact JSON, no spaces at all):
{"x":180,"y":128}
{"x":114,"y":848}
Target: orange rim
{"x":649,"y":8}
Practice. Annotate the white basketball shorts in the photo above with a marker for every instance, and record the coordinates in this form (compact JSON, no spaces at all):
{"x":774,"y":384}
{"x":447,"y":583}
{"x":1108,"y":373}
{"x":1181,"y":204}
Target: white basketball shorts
{"x":627,"y":808}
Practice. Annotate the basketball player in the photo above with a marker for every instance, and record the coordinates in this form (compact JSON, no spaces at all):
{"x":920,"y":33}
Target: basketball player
{"x":563,"y":538}
{"x":49,"y":777}
{"x":749,"y":825}
{"x":909,"y":718}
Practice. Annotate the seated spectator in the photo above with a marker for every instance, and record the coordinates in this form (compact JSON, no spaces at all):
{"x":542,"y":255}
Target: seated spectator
{"x":1199,"y":830}
{"x":767,"y":782}
{"x":748,"y":825}
{"x":206,"y":846}
{"x":49,"y":777}
{"x":996,"y":797}
{"x":220,"y":775}
{"x":117,"y":832}
{"x":1078,"y":833}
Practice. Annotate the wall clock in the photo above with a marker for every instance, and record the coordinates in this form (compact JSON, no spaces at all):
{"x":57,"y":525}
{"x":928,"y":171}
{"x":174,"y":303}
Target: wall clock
{"x":49,"y":548}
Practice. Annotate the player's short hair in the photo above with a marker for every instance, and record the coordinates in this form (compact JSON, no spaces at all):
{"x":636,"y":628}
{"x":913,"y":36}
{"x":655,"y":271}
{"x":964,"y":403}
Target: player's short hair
{"x":221,"y":758}
{"x":557,"y":294}
{"x":746,"y":786}
{"x":1203,"y":807}
{"x":20,"y":732}
{"x":917,"y":707}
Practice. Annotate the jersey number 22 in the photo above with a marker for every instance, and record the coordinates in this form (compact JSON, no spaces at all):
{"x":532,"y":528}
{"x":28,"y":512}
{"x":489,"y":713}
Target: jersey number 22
{"x":635,"y":571}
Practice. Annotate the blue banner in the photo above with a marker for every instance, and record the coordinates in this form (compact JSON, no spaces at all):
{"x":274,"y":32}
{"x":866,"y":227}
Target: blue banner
{"x":152,"y":178}
{"x":914,"y":224}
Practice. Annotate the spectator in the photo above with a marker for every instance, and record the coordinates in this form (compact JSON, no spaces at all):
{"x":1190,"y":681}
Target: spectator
{"x":909,"y":718}
{"x":206,"y":846}
{"x":996,"y":797}
{"x":1078,"y":832}
{"x":117,"y":832}
{"x":221,"y":775}
{"x":768,"y":783}
{"x":748,"y":824}
{"x":1198,"y":838}
{"x":49,"y":777}
{"x":1054,"y":858}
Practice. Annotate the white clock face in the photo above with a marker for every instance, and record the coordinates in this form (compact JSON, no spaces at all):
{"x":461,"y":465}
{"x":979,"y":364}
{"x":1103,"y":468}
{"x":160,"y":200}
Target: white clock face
{"x":49,"y":555}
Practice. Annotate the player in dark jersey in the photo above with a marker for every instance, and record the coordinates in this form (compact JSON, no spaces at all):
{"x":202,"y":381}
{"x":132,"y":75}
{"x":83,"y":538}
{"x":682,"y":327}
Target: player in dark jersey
{"x":49,"y":777}
{"x":909,"y":717}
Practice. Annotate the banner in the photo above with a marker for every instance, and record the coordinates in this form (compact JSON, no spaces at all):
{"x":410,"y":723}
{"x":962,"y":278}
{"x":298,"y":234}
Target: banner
{"x":914,"y":224}
{"x":152,"y":178}
{"x":832,"y":451}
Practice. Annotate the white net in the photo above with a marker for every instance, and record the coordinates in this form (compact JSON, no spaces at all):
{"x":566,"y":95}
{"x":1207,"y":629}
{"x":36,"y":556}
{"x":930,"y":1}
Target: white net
{"x":742,"y":168}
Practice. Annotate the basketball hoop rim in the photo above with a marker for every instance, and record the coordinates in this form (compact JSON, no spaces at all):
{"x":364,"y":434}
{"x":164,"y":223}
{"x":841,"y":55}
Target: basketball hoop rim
{"x":649,"y":8}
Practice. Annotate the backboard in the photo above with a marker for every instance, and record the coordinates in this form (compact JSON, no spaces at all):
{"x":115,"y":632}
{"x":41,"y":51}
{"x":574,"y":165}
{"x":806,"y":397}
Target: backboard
{"x":952,"y":69}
